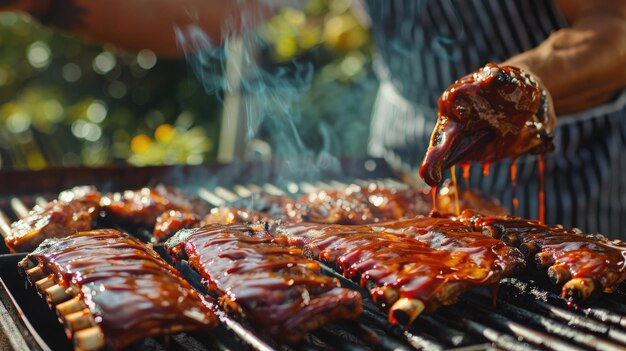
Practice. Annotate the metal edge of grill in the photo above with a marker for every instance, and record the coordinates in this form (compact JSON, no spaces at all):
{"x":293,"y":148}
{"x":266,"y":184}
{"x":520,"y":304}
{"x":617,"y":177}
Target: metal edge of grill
{"x":528,"y":315}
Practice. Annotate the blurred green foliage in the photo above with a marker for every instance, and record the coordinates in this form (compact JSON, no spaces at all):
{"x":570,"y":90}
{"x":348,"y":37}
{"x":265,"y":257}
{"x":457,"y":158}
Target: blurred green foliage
{"x":64,"y":101}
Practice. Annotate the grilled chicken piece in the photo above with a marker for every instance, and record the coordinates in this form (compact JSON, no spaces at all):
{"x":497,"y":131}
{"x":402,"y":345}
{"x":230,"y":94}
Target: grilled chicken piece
{"x":493,"y":113}
{"x":273,"y":286}
{"x":111,"y":290}
{"x":409,"y":266}
{"x":142,"y":207}
{"x":169,"y":222}
{"x":74,"y":211}
{"x":584,"y":263}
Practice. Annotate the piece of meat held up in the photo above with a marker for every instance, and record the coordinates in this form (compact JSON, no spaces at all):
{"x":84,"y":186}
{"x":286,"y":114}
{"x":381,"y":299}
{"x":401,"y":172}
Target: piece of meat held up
{"x":494,"y":113}
{"x":584,"y":263}
{"x":110,"y":290}
{"x":409,"y":266}
{"x":73,"y":211}
{"x":272,"y":285}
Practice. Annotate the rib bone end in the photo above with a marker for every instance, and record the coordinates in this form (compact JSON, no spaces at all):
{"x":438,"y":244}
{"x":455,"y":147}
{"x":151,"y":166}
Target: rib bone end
{"x":405,"y":311}
{"x":89,"y":339}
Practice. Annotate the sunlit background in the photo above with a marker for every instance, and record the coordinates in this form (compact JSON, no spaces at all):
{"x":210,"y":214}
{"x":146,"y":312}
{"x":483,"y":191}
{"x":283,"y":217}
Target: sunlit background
{"x":66,"y":102}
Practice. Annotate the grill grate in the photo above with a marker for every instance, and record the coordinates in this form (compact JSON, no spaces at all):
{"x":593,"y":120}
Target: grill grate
{"x":529,"y":313}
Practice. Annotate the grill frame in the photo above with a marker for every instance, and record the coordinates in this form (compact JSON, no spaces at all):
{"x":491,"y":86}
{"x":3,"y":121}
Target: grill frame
{"x":456,"y":322}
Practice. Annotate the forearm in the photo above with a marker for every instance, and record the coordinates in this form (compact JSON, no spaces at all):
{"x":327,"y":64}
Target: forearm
{"x":582,"y":65}
{"x":144,"y":24}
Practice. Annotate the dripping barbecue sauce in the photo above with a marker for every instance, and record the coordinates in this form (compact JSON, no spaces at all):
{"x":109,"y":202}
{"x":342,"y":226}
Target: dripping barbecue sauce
{"x":494,"y":113}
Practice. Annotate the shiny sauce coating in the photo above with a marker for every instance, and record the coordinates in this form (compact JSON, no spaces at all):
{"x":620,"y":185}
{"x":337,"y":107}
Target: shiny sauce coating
{"x":494,"y":113}
{"x":429,"y":259}
{"x":581,"y":255}
{"x":74,"y":211}
{"x":131,"y":291}
{"x":271,"y":284}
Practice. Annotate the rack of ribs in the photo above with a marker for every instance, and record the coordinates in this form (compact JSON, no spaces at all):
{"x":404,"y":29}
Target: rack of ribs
{"x":493,"y":113}
{"x":73,"y":211}
{"x":110,"y":290}
{"x":584,"y":263}
{"x":142,"y":207}
{"x":271,"y":285}
{"x":408,"y":266}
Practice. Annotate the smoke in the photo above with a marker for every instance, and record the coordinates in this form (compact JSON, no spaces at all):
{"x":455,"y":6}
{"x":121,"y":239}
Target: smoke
{"x":269,"y":95}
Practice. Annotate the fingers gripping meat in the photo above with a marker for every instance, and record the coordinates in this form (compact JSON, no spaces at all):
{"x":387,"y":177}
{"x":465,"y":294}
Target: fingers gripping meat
{"x":494,"y":113}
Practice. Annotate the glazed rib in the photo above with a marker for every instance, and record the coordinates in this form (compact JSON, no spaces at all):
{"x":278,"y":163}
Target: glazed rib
{"x":111,"y":290}
{"x":583,"y":263}
{"x":143,"y":206}
{"x":354,"y":205}
{"x":412,"y":265}
{"x":271,"y":285}
{"x":74,"y":211}
{"x":169,"y":222}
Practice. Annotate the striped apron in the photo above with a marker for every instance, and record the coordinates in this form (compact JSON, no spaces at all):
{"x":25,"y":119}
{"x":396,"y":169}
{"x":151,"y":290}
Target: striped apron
{"x":424,"y":46}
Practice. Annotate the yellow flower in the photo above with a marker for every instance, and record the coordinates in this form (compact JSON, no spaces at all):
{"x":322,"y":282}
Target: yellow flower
{"x":140,"y":143}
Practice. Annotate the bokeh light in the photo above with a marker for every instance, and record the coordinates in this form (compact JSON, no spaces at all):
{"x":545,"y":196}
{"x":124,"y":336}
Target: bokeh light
{"x":67,"y":102}
{"x":39,"y":54}
{"x":104,"y":63}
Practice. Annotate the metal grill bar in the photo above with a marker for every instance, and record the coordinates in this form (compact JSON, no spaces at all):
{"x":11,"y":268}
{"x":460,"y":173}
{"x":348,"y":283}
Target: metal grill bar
{"x":528,"y":315}
{"x":19,"y":208}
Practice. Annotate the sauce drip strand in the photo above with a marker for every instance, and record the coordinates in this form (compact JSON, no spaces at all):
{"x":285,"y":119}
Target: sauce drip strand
{"x":542,"y":195}
{"x":455,"y":185}
{"x":514,"y":184}
{"x":494,"y":113}
{"x":486,"y":166}
{"x":433,"y":192}
{"x":466,"y":173}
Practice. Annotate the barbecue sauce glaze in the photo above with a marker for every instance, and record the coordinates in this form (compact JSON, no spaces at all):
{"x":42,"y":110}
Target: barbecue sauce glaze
{"x":432,"y":260}
{"x":568,"y":253}
{"x":74,"y":211}
{"x":494,"y":113}
{"x":131,"y":291}
{"x":272,"y":285}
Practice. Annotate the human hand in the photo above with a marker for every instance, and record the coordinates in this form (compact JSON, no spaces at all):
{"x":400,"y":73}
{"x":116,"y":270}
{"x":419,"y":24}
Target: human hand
{"x":495,"y":112}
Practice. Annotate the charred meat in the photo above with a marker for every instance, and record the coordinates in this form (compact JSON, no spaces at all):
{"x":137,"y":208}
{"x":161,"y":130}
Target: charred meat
{"x":494,"y":113}
{"x":74,"y":211}
{"x":273,"y":286}
{"x":110,"y":290}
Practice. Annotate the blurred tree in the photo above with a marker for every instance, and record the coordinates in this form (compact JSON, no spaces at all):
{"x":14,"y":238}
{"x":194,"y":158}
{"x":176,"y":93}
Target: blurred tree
{"x":64,"y":101}
{"x":67,"y":102}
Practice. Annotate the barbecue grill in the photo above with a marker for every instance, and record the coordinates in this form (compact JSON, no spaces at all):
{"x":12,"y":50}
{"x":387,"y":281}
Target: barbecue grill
{"x":527,"y":314}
